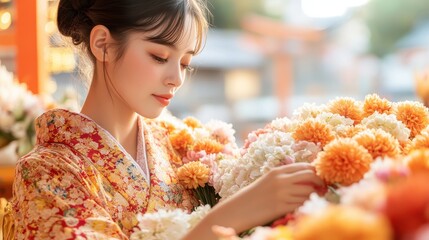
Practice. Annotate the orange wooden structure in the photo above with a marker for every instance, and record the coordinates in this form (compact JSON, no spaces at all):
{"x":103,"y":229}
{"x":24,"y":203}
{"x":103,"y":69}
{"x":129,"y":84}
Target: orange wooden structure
{"x":270,"y":36}
{"x":29,"y":40}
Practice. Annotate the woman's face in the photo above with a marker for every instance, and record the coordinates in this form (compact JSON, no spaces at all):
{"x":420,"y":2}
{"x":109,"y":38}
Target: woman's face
{"x":148,"y":74}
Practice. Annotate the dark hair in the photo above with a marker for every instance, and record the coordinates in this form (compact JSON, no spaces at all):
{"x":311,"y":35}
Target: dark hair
{"x":76,"y":18}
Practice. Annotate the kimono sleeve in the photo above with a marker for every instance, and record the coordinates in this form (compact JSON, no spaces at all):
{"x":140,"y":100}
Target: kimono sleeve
{"x":53,"y":199}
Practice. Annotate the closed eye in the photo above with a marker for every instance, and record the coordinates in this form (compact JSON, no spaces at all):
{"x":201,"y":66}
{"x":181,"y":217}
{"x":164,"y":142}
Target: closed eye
{"x":159,"y":59}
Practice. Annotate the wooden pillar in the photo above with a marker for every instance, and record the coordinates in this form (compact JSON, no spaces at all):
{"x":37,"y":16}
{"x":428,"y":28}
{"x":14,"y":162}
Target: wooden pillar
{"x":283,"y":79}
{"x":31,"y":43}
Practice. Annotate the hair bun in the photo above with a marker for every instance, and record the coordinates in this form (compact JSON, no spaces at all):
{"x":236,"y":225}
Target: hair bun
{"x":72,"y":19}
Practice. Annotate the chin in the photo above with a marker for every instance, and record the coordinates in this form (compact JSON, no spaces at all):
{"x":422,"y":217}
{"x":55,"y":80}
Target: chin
{"x":150,"y":114}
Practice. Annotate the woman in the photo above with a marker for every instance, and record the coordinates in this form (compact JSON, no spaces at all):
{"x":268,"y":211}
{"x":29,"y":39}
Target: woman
{"x":90,"y":173}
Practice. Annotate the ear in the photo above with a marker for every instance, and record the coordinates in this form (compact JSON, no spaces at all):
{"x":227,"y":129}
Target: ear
{"x":99,"y":40}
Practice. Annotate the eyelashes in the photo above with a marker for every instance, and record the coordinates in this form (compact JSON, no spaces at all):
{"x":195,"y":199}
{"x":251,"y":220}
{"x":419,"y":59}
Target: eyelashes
{"x":161,"y":60}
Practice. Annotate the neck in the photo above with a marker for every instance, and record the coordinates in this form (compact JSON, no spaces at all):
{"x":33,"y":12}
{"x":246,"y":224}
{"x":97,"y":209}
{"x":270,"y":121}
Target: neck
{"x":112,"y":115}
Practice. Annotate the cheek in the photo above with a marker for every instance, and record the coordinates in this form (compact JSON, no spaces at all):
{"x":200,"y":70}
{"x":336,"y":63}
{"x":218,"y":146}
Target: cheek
{"x":137,"y":68}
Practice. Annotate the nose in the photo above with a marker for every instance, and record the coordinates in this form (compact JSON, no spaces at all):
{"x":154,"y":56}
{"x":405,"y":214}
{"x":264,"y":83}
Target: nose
{"x":176,"y":76}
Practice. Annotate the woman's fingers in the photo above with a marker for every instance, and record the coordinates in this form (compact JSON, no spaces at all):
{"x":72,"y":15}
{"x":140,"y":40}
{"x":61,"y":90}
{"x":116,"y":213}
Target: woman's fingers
{"x":294,"y":167}
{"x":298,"y":190}
{"x":304,"y":177}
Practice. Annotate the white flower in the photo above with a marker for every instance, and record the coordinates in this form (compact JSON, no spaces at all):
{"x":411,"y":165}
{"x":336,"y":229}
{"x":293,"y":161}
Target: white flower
{"x":283,"y":124}
{"x":308,"y":110}
{"x":6,"y":120}
{"x":266,"y":152}
{"x":388,"y":123}
{"x":314,"y":204}
{"x":305,"y":151}
{"x":162,"y":225}
{"x":337,"y":122}
{"x":167,"y":224}
{"x":221,"y":131}
{"x":199,"y":213}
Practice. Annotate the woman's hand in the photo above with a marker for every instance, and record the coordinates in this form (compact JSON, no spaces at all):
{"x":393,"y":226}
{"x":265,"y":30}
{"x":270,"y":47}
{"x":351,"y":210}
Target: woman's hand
{"x":280,"y":191}
{"x":273,"y":195}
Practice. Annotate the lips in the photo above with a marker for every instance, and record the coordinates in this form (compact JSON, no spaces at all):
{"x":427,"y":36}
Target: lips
{"x":164,"y":99}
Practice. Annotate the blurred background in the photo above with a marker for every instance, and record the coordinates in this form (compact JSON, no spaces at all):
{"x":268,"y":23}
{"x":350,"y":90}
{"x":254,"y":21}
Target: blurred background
{"x":262,"y":58}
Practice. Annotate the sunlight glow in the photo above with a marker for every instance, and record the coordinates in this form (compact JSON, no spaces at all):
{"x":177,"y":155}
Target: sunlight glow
{"x":328,"y":8}
{"x":5,"y":20}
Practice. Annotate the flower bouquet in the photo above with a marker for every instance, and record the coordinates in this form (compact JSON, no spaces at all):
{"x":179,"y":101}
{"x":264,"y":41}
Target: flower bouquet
{"x":200,"y":148}
{"x":371,"y":153}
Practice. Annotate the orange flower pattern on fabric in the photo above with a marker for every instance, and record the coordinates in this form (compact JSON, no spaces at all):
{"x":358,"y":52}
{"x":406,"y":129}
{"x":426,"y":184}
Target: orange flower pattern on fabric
{"x":193,"y":174}
{"x":346,"y":107}
{"x":373,"y":103}
{"x":315,"y":131}
{"x":343,"y":161}
{"x":414,"y":115}
{"x":78,"y":182}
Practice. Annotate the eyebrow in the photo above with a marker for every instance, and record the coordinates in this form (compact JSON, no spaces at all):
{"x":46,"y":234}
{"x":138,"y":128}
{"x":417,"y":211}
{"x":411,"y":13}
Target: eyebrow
{"x":170,"y":45}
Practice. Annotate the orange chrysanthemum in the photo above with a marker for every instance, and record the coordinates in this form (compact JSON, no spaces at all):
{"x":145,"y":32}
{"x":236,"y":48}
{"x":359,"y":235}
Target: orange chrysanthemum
{"x":407,"y":205}
{"x":313,"y":130}
{"x":343,"y":161}
{"x":420,"y":141}
{"x":208,"y":145}
{"x":192,"y":122}
{"x":414,"y":115}
{"x":181,"y":141}
{"x":418,"y":161}
{"x":378,"y":143}
{"x":343,"y":222}
{"x":373,"y":103}
{"x":193,"y":174}
{"x":351,"y":131}
{"x":346,"y":107}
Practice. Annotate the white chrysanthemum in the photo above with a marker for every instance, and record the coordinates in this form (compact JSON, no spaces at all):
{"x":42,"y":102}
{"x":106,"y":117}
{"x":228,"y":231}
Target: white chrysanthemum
{"x":388,"y":123}
{"x":312,"y":205}
{"x":162,"y":225}
{"x":283,"y":124}
{"x":232,"y":175}
{"x":307,"y":110}
{"x":305,"y":151}
{"x":221,"y":131}
{"x":200,"y":133}
{"x":199,"y":213}
{"x":268,"y":151}
{"x":336,"y":121}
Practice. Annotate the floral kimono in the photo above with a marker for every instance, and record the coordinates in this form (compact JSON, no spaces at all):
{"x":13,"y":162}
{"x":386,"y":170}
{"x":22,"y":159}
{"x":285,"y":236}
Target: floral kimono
{"x":78,"y":182}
